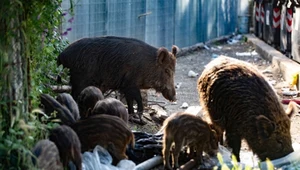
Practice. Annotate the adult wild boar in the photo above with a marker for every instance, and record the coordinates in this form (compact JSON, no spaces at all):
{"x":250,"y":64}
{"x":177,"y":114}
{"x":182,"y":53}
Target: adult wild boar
{"x":240,"y":101}
{"x":119,"y":63}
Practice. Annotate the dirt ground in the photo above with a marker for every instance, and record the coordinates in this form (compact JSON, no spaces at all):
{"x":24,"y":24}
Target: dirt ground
{"x":196,"y":61}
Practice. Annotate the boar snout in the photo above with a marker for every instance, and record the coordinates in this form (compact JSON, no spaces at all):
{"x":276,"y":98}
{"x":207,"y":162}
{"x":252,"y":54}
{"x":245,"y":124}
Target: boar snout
{"x":169,"y":94}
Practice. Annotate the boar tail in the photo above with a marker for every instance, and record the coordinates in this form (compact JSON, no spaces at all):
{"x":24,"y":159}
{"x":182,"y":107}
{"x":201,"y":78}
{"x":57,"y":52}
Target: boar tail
{"x":63,"y":113}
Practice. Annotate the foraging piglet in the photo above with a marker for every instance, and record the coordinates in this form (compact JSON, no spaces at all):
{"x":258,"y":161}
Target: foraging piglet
{"x":46,"y":156}
{"x":68,"y":145}
{"x":240,"y":101}
{"x":110,"y":132}
{"x":67,"y":100}
{"x":120,"y":63}
{"x":87,"y":99}
{"x":65,"y":115}
{"x":111,"y":106}
{"x":187,"y":129}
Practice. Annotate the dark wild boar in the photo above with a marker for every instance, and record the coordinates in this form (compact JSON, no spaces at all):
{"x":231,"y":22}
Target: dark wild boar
{"x":68,"y":145}
{"x":119,"y":63}
{"x":87,"y":99}
{"x":240,"y":101}
{"x":110,"y":132}
{"x":46,"y":156}
{"x":67,"y":100}
{"x":112,"y":107}
{"x":187,"y":129}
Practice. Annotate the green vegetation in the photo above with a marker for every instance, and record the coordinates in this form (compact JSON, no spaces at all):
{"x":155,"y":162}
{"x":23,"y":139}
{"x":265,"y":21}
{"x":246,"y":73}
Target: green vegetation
{"x":30,"y":40}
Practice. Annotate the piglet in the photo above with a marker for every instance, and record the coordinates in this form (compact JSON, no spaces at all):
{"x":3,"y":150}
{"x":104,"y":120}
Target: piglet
{"x":185,"y":129}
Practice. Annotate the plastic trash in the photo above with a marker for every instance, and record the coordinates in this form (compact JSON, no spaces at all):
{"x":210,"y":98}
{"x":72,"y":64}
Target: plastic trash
{"x":288,"y":92}
{"x":253,"y":53}
{"x":126,"y":165}
{"x":214,"y":56}
{"x":192,"y":74}
{"x":150,"y":163}
{"x":178,"y":85}
{"x":184,"y":105}
{"x":101,"y":159}
{"x":290,"y":161}
{"x":206,"y":47}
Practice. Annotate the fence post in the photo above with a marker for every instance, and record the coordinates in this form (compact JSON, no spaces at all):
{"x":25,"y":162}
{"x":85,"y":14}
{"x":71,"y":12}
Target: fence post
{"x":289,"y":20}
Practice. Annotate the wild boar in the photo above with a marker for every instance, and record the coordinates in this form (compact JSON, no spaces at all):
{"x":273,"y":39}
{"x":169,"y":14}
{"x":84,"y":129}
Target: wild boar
{"x":110,"y":132}
{"x":240,"y":101}
{"x":187,"y":129}
{"x":120,"y":63}
{"x":67,"y":100}
{"x":68,"y":145}
{"x":111,"y":106}
{"x":87,"y":99}
{"x":46,"y":156}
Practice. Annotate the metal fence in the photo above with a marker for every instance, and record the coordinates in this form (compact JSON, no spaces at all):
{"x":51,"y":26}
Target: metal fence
{"x":157,"y":22}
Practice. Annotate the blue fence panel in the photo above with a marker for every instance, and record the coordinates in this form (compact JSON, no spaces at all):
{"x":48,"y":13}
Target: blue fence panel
{"x":137,"y":21}
{"x":97,"y":18}
{"x":157,"y":22}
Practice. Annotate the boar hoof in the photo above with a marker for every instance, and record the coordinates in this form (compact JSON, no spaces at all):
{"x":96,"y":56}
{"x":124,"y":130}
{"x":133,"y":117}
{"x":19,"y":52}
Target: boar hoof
{"x":137,"y":120}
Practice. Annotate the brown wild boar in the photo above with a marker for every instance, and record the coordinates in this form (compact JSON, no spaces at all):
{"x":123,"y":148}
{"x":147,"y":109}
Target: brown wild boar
{"x":87,"y":99}
{"x":120,"y":63}
{"x":67,"y":100}
{"x":68,"y":145}
{"x":240,"y":101}
{"x":187,"y":129}
{"x":110,"y":132}
{"x":112,"y":107}
{"x":46,"y":156}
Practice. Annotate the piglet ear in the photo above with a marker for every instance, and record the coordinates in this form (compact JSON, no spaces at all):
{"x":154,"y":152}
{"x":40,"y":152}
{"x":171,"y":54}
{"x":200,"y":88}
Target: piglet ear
{"x":265,"y":127}
{"x":163,"y":56}
{"x":174,"y":50}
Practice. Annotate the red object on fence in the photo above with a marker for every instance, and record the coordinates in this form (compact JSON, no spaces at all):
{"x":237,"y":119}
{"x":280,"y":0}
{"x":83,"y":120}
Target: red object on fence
{"x":257,"y":12}
{"x":289,"y":18}
{"x":262,"y":14}
{"x":276,"y":17}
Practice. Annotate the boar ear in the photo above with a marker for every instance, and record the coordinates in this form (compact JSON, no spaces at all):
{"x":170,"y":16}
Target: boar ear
{"x":265,"y":127}
{"x":163,"y":56}
{"x":174,"y":50}
{"x":293,"y":109}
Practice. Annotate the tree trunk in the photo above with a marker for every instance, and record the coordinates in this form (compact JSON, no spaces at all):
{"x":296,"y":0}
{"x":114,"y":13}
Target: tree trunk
{"x":13,"y":71}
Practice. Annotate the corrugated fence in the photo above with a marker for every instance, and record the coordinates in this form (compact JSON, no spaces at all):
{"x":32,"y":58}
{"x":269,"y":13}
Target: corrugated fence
{"x":157,"y":22}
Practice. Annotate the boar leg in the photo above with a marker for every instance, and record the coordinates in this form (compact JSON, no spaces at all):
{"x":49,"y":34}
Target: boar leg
{"x":134,"y":94}
{"x":234,"y":141}
{"x":199,"y":152}
{"x":192,"y":153}
{"x":177,"y":149}
{"x":78,"y":84}
{"x":166,"y":152}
